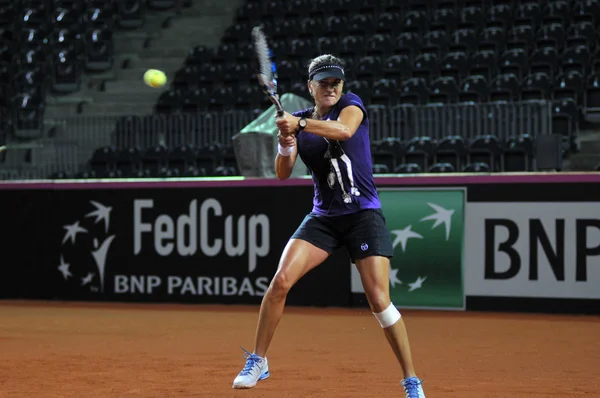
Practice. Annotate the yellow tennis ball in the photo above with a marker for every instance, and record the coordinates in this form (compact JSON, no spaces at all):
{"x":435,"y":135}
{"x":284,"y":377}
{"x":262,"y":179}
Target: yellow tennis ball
{"x":155,"y":78}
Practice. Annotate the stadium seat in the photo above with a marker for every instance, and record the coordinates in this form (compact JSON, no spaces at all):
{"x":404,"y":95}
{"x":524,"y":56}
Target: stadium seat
{"x":208,"y":158}
{"x":500,"y":15}
{"x":28,"y":116}
{"x":384,"y":92}
{"x":388,"y":152}
{"x":520,"y":37}
{"x":396,"y":66}
{"x":380,"y":44}
{"x":336,"y":24}
{"x":442,"y":168}
{"x":483,"y":63}
{"x":514,"y":61}
{"x":103,"y":159}
{"x":130,"y":14}
{"x":575,"y":58}
{"x":472,"y":17}
{"x":369,"y":68}
{"x":408,"y":43}
{"x":518,"y":153}
{"x":414,"y":91}
{"x":565,"y":117}
{"x":474,"y":88}
{"x":426,"y":66}
{"x":380,"y":169}
{"x":486,"y":149}
{"x":550,"y":35}
{"x":154,"y":159}
{"x":327,"y":45}
{"x":592,"y":94}
{"x":444,"y":90}
{"x":193,"y":101}
{"x":571,"y":85}
{"x":505,"y":87}
{"x":558,"y":10}
{"x":492,"y":38}
{"x":420,"y":151}
{"x":451,"y":150}
{"x":455,"y":64}
{"x":529,"y":13}
{"x":543,"y":60}
{"x":229,"y":160}
{"x":66,"y":73}
{"x":128,"y":160}
{"x":414,"y":21}
{"x":436,"y":41}
{"x":387,"y":23}
{"x":536,"y":85}
{"x":478,"y":167}
{"x":168,"y":102}
{"x":408,"y":168}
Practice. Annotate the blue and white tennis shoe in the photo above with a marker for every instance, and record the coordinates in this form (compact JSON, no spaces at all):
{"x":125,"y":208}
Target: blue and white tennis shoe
{"x":413,"y":387}
{"x":256,"y":368}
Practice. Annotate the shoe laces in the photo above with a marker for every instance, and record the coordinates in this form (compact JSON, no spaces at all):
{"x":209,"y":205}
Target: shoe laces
{"x":411,"y":387}
{"x":252,"y":360}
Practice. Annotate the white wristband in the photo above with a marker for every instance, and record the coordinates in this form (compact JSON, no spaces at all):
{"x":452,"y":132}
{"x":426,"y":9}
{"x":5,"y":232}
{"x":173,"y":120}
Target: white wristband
{"x":285,"y":151}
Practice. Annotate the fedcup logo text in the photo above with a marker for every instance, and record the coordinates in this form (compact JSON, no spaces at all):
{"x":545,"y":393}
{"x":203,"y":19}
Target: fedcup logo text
{"x":191,"y":232}
{"x":203,"y":233}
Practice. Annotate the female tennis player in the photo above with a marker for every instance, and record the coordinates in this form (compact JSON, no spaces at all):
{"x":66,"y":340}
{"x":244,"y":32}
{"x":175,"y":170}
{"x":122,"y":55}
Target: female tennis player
{"x":332,"y":138}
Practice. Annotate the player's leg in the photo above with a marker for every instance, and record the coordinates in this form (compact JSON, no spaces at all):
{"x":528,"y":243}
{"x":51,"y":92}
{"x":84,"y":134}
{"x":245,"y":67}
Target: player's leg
{"x":312,"y":243}
{"x":374,"y":273}
{"x":370,"y":247}
{"x":299,"y":257}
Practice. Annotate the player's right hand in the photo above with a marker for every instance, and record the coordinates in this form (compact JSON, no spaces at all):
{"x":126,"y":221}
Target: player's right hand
{"x":286,"y":140}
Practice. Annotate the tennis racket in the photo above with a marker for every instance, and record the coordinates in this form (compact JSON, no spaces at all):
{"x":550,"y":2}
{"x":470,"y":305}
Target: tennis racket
{"x":267,"y":69}
{"x":2,"y":148}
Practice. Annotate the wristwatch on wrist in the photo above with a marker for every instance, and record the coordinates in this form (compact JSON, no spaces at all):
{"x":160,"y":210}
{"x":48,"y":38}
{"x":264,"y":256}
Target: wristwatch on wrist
{"x":301,"y":123}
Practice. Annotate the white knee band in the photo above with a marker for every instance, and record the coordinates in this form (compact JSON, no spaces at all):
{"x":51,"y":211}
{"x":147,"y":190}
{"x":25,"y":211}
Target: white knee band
{"x":388,"y":317}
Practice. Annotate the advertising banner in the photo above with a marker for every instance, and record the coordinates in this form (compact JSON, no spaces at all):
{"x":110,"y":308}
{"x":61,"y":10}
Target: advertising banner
{"x":533,"y":249}
{"x":427,"y":227}
{"x":207,"y":245}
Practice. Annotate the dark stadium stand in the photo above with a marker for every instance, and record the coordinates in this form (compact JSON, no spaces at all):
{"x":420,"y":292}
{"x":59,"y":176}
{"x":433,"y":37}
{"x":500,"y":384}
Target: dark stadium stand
{"x":398,"y":53}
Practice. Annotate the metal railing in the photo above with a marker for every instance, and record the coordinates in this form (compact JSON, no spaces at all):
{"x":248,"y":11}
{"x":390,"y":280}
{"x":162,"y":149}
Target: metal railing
{"x":466,"y":119}
{"x":68,"y":143}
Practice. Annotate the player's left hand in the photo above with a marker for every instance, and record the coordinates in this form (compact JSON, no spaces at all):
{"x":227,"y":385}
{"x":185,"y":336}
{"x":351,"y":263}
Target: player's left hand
{"x":287,"y":124}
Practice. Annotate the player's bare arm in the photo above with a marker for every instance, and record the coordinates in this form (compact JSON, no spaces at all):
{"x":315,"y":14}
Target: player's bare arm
{"x":342,"y":129}
{"x":286,"y":156}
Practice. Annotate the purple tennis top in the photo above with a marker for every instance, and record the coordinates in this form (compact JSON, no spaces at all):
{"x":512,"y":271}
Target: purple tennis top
{"x":342,"y":171}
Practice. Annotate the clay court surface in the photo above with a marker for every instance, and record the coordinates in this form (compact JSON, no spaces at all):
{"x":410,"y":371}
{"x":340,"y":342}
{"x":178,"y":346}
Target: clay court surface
{"x":114,"y":350}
